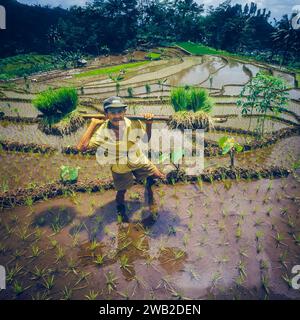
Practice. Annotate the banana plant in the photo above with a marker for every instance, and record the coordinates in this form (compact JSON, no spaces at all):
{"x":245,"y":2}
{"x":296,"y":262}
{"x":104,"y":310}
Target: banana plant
{"x":229,"y":145}
{"x":176,"y":155}
{"x":69,"y":174}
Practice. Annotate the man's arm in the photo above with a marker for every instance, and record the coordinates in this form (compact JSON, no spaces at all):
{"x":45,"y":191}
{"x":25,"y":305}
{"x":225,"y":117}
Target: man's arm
{"x":148,"y":121}
{"x":84,"y":141}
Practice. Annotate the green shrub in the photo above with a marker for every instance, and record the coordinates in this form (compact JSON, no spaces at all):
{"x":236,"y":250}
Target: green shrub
{"x":191,"y":99}
{"x":179,"y":99}
{"x":52,"y":101}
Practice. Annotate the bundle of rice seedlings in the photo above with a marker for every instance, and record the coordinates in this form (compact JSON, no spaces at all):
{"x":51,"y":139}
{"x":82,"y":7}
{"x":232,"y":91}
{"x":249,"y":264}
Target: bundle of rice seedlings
{"x":190,"y":120}
{"x":179,"y":99}
{"x":191,"y":99}
{"x":200,"y":100}
{"x":66,"y":125}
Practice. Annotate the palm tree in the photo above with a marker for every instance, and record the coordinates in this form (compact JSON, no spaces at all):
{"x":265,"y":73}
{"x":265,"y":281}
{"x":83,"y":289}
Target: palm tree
{"x":285,"y":38}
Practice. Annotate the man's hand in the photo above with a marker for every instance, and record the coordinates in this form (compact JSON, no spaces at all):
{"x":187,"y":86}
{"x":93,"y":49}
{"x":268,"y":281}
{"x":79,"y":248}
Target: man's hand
{"x":159,"y":174}
{"x":96,"y":121}
{"x":148,"y":118}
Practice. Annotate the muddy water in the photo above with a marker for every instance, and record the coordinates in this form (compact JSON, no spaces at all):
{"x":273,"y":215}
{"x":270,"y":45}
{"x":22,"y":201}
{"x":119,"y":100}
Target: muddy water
{"x":295,"y":94}
{"x":29,"y":133}
{"x":243,"y":123}
{"x":22,"y":109}
{"x":207,"y":240}
{"x":199,"y":73}
{"x":289,"y":79}
{"x":232,"y":73}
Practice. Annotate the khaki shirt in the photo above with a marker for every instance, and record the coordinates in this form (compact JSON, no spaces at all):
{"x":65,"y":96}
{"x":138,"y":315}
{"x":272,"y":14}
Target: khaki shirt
{"x":124,"y":155}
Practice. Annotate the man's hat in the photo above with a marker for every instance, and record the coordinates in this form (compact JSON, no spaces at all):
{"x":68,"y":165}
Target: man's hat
{"x":113,"y":102}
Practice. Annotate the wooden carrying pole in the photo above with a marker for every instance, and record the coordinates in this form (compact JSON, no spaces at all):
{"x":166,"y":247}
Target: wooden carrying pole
{"x":132,"y":117}
{"x":137,"y":117}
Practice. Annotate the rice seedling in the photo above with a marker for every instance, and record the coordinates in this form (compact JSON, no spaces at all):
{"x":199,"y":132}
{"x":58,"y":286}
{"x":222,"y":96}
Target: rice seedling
{"x":38,"y":233}
{"x":190,"y":226}
{"x":53,"y":243}
{"x":11,"y":273}
{"x":258,"y":222}
{"x":259,"y":248}
{"x":35,"y":251}
{"x":287,"y":280}
{"x":67,"y":293}
{"x":60,"y":253}
{"x":111,"y":281}
{"x":242,"y":269}
{"x":243,"y":252}
{"x":193,"y":274}
{"x":99,"y":259}
{"x":238,"y":233}
{"x":282,"y":259}
{"x":291,"y":222}
{"x":279,"y":239}
{"x":283,"y":211}
{"x":240,"y":280}
{"x":24,"y":233}
{"x":18,"y":288}
{"x":3,"y":248}
{"x":92,"y":295}
{"x":185,"y":240}
{"x":139,"y":282}
{"x":82,"y":276}
{"x":259,"y":235}
{"x":270,"y":185}
{"x":71,"y":266}
{"x":39,"y":273}
{"x":223,"y":259}
{"x":216,"y":277}
{"x":48,"y":282}
{"x":178,"y":254}
{"x":269,"y":211}
{"x":16,"y":255}
{"x":124,"y":263}
{"x":221,"y":225}
{"x":265,"y":283}
{"x":264,"y":265}
{"x":296,"y":237}
{"x":94,"y":245}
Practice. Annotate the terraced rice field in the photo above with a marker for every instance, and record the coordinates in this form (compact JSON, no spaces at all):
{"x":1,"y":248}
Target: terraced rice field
{"x":223,"y":239}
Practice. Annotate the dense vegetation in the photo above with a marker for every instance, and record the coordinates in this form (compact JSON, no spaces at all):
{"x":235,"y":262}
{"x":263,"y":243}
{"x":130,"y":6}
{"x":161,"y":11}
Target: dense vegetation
{"x":105,"y":26}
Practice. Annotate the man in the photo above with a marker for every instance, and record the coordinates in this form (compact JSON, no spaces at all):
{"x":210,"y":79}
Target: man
{"x":118,"y":137}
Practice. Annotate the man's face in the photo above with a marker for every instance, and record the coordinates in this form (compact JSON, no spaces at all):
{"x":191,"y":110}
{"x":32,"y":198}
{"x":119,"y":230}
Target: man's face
{"x":116,"y":115}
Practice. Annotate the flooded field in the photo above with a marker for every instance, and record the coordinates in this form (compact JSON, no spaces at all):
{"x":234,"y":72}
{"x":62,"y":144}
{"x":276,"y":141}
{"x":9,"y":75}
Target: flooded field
{"x":227,"y":239}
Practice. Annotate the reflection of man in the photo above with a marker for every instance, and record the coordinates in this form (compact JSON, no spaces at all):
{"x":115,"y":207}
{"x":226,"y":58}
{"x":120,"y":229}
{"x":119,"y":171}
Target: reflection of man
{"x":122,"y":135}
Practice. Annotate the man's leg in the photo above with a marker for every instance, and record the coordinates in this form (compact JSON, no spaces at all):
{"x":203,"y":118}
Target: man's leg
{"x":122,"y":182}
{"x":120,"y":197}
{"x":149,"y":183}
{"x":121,"y":208}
